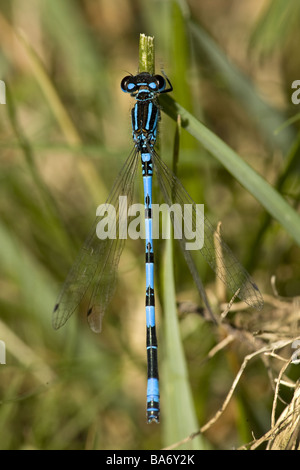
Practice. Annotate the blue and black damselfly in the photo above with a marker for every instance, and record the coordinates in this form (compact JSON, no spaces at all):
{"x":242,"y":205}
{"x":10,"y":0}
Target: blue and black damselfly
{"x":97,"y":262}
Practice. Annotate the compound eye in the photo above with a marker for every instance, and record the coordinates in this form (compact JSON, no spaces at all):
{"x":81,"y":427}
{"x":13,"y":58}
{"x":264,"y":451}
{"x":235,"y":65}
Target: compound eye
{"x":153,"y":85}
{"x":127,"y":84}
{"x":161,"y":82}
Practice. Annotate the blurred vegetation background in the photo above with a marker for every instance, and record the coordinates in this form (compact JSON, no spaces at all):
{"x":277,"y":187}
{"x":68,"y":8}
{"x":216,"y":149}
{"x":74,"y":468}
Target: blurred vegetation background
{"x":64,"y":134}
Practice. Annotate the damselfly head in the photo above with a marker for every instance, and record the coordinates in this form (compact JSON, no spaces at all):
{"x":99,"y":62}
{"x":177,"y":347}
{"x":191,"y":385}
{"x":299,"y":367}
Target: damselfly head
{"x":133,"y":84}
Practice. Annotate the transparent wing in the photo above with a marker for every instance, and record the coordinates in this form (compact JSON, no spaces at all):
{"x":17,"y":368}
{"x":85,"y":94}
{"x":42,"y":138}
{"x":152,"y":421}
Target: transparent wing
{"x":95,"y":267}
{"x":215,"y":251}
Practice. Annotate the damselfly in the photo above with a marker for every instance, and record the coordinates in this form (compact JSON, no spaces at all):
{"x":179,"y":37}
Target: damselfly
{"x":97,"y":261}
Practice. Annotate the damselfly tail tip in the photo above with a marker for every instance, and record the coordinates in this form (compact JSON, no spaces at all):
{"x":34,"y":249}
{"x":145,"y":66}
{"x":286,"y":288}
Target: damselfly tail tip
{"x":153,"y":410}
{"x":152,"y":417}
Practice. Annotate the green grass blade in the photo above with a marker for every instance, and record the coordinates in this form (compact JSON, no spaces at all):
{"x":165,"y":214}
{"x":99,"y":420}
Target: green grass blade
{"x":179,"y":418}
{"x":271,"y":199}
{"x":60,"y":112}
{"x":274,"y":25}
{"x":266,"y":117}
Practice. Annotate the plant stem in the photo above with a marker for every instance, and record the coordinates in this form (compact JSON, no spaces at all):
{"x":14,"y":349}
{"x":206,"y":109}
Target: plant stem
{"x":146,"y":54}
